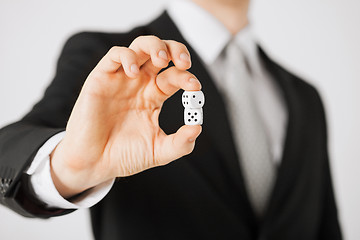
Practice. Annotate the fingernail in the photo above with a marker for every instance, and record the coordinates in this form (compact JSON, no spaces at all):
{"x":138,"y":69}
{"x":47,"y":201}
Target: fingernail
{"x":134,"y":68}
{"x":185,"y":57}
{"x":162,"y":54}
{"x":194,"y":80}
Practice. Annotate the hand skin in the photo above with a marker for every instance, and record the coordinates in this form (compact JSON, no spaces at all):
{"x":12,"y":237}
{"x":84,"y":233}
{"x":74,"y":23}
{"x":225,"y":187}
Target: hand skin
{"x":113,"y":130}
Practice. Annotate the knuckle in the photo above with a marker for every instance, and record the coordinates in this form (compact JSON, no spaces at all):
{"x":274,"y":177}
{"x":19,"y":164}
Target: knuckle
{"x":149,"y":41}
{"x":137,"y":39}
{"x":146,"y":38}
{"x":187,"y":73}
{"x":112,"y":50}
{"x":157,"y":42}
{"x":121,"y":51}
{"x":115,"y":49}
{"x":172,"y":70}
{"x":183,"y":48}
{"x":177,"y":44}
{"x":191,"y":75}
{"x":189,"y":148}
{"x":177,"y":47}
{"x":171,"y":41}
{"x":153,"y":38}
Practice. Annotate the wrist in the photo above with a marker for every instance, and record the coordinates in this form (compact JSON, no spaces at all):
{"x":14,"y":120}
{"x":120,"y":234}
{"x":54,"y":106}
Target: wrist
{"x":68,"y":179}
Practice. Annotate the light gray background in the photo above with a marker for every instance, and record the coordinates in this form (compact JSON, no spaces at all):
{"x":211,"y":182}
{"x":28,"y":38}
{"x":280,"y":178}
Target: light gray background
{"x":318,"y":40}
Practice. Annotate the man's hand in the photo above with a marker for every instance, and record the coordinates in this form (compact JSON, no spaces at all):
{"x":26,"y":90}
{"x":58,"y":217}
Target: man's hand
{"x":113,"y":130}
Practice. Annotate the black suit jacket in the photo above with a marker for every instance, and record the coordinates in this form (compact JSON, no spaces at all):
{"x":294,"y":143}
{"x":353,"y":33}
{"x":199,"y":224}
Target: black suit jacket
{"x":202,"y":195}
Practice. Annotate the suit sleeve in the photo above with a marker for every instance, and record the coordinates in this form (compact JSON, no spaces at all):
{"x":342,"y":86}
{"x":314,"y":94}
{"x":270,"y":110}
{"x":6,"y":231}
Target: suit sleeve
{"x":20,"y":141}
{"x":329,"y":223}
{"x":329,"y":226}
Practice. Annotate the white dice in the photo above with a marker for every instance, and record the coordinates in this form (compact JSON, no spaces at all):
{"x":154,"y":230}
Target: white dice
{"x":193,"y":116}
{"x":193,"y":101}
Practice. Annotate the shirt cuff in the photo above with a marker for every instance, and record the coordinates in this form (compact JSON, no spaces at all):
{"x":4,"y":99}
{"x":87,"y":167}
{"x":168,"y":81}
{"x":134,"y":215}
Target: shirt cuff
{"x":44,"y":188}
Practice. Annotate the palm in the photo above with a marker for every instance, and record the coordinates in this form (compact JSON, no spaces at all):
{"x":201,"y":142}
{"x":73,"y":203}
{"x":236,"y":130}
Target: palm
{"x":131,"y":124}
{"x":122,"y":122}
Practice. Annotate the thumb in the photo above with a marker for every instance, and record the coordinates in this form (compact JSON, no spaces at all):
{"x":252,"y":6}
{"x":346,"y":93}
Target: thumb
{"x":174,"y":146}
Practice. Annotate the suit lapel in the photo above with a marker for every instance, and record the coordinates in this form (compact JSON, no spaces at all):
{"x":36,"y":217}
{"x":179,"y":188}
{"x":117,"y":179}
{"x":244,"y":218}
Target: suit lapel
{"x":290,"y":163}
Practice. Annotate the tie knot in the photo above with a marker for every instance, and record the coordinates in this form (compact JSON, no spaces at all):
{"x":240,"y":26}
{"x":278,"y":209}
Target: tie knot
{"x":232,"y":43}
{"x":235,"y":56}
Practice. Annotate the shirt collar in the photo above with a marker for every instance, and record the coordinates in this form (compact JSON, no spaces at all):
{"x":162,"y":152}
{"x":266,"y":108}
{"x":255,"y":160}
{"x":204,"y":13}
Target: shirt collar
{"x":209,"y":41}
{"x":190,"y":19}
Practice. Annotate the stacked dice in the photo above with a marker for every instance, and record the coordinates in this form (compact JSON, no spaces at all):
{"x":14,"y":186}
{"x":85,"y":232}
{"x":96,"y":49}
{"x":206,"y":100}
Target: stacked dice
{"x":193,"y":101}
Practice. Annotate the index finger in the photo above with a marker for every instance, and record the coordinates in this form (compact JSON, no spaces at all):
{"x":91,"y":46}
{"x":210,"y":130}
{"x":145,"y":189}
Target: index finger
{"x":116,"y":58}
{"x":179,"y":54}
{"x":173,"y":79}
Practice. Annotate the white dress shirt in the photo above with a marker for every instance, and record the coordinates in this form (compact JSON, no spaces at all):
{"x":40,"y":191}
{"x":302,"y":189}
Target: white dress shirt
{"x":208,"y":37}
